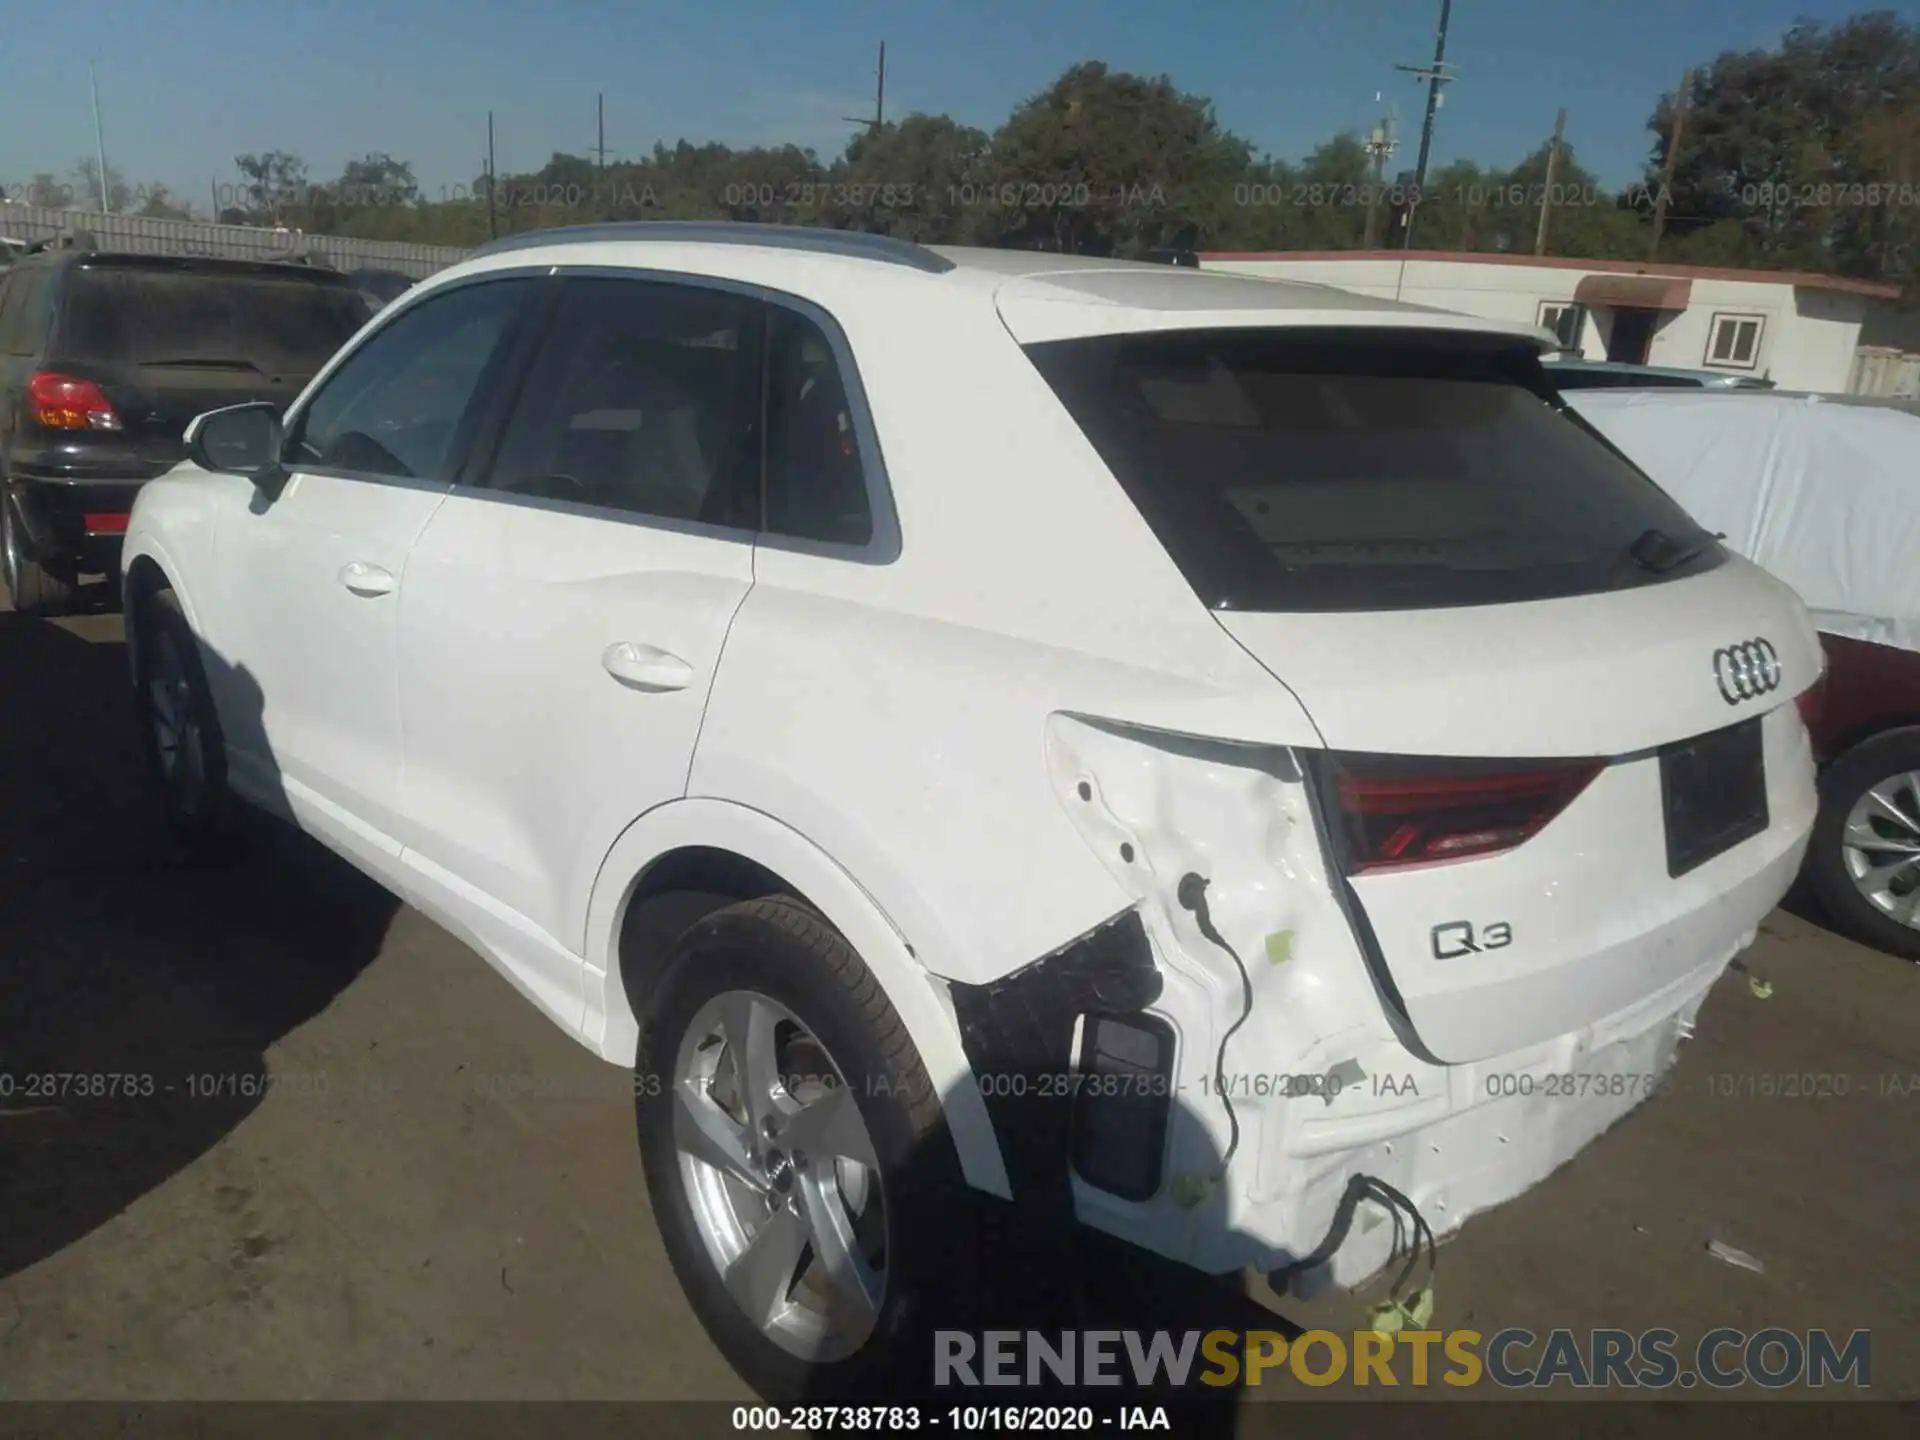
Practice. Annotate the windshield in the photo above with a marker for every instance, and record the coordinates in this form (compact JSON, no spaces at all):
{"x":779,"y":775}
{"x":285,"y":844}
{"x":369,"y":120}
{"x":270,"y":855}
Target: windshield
{"x":1302,"y":470}
{"x":279,"y":326}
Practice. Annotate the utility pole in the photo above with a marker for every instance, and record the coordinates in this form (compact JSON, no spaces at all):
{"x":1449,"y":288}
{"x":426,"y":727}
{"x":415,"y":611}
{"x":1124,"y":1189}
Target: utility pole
{"x":1666,"y":171}
{"x":1435,"y":75}
{"x":491,"y":231}
{"x":879,"y":99}
{"x":1381,"y":144}
{"x":1553,"y":171}
{"x":601,"y":149}
{"x":99,"y":140}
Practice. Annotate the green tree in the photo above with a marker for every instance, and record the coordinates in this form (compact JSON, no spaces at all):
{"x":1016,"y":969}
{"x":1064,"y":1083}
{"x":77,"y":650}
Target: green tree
{"x":84,"y":176}
{"x":910,"y":178}
{"x":1103,"y":162}
{"x":273,"y":184}
{"x":1799,"y":146}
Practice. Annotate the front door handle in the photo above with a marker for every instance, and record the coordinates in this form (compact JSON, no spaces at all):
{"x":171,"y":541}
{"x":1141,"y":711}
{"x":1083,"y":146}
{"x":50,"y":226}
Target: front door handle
{"x":364,"y":579}
{"x":646,"y":667}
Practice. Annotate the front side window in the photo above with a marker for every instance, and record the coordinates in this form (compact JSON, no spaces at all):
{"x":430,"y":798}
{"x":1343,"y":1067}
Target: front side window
{"x":394,"y":405}
{"x":1317,"y":471}
{"x":641,"y":399}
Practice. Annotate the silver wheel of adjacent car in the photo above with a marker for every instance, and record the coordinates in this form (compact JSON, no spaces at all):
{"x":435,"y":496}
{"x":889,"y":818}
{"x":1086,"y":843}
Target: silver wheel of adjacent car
{"x":780,"y":1175}
{"x":9,"y":551}
{"x":1881,"y":845}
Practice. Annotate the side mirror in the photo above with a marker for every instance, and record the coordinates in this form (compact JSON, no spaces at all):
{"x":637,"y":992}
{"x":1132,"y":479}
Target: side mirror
{"x":239,"y":440}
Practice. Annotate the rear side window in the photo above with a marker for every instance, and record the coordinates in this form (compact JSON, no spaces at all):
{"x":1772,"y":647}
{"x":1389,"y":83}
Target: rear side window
{"x":23,"y":312}
{"x":816,"y":488}
{"x":1317,"y":471}
{"x":126,"y":316}
{"x":639,"y":400}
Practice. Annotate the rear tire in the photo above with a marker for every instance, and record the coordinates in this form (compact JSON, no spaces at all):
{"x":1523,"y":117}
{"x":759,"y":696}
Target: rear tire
{"x":769,"y":977}
{"x":180,"y":729}
{"x":33,"y":589}
{"x":1844,"y":867}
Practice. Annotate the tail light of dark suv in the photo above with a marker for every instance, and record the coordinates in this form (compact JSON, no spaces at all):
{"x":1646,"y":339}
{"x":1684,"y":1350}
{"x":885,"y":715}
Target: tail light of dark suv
{"x":61,"y":402}
{"x":1396,"y":811}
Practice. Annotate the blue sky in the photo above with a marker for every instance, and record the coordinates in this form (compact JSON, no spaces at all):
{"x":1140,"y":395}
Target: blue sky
{"x":187,"y":84}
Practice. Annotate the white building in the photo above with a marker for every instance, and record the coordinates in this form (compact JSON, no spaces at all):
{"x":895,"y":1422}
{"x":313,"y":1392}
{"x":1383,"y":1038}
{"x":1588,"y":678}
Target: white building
{"x":1801,"y":331}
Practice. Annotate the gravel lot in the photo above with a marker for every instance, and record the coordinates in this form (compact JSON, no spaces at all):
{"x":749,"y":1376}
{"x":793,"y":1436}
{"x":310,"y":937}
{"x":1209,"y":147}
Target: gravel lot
{"x":410,"y":1227}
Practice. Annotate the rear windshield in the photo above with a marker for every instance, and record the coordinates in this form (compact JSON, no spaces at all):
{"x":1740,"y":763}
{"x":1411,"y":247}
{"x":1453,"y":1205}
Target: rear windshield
{"x":1304,"y":470}
{"x":147,"y":317}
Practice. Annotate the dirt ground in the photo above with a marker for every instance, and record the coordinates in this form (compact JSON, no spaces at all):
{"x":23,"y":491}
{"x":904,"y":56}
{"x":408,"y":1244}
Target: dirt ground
{"x":438,"y":1196}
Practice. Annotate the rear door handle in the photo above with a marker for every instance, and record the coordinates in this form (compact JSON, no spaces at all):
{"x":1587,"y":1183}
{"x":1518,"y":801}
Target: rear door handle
{"x":646,"y":667}
{"x":364,"y":579}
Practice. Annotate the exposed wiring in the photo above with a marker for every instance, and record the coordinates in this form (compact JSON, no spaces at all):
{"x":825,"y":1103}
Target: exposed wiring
{"x":1407,"y":1236}
{"x":1192,"y":895}
{"x":1368,"y":1187}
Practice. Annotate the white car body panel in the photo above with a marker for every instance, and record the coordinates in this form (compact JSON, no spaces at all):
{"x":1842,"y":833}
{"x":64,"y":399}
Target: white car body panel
{"x":526,"y":758}
{"x":1537,"y":680}
{"x":921,"y":1001}
{"x":318,"y":662}
{"x":905,"y":737}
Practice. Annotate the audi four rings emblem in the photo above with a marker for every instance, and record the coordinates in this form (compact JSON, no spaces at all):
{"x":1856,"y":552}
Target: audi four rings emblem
{"x":1746,"y":671}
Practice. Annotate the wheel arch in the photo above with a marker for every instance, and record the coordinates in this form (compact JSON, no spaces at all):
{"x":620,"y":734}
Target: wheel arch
{"x":1846,"y":743}
{"x":144,"y":574}
{"x":146,"y":568}
{"x":687,"y":858}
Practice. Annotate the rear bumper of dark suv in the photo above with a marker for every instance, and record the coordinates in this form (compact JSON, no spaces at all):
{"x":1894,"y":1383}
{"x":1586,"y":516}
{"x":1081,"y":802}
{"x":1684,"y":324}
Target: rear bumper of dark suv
{"x":74,"y":516}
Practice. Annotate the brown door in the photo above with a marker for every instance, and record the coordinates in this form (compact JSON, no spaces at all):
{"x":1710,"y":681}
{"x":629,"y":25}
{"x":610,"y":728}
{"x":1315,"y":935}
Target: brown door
{"x":1631,"y":337}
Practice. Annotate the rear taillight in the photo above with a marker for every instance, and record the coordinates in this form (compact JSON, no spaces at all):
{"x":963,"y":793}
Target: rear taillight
{"x":104,"y":524}
{"x":1401,"y":810}
{"x":60,"y":402}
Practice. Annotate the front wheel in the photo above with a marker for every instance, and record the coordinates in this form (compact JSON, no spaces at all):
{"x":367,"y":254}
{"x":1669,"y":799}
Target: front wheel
{"x":800,"y":1170}
{"x":1864,"y":859}
{"x":180,"y":729}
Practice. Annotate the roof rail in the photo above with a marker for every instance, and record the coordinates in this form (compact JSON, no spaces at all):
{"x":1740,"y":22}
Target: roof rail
{"x":855,"y":244}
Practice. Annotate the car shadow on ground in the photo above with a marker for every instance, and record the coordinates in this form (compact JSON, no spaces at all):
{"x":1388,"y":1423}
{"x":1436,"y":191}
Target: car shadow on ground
{"x":139,"y":993}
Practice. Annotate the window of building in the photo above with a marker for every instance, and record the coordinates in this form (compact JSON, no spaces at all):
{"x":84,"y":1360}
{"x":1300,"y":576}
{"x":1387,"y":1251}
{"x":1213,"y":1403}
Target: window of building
{"x":1565,"y":320}
{"x":1735,"y":341}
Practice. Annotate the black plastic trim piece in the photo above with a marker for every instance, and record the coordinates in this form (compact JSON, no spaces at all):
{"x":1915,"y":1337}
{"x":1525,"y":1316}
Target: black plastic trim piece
{"x":1018,"y":1035}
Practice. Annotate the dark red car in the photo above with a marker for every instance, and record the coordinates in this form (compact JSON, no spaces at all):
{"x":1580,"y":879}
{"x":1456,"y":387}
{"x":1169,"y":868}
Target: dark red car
{"x":1863,"y":861}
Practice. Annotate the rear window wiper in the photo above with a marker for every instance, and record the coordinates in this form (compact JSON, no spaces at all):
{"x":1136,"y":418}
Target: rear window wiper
{"x":201,"y":362}
{"x":1659,"y":552}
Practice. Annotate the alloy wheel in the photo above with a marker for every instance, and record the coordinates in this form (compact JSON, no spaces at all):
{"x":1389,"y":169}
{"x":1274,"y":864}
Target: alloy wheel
{"x":1881,"y":847}
{"x":177,"y":739}
{"x":9,"y":551}
{"x":781,"y":1176}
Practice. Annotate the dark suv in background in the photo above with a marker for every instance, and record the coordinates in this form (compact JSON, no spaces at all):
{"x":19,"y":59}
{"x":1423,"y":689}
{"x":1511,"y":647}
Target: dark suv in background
{"x":105,"y":358}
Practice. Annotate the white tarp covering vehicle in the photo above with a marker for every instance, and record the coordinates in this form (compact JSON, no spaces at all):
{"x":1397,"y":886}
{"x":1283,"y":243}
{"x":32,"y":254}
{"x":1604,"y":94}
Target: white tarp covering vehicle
{"x":1824,"y":493}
